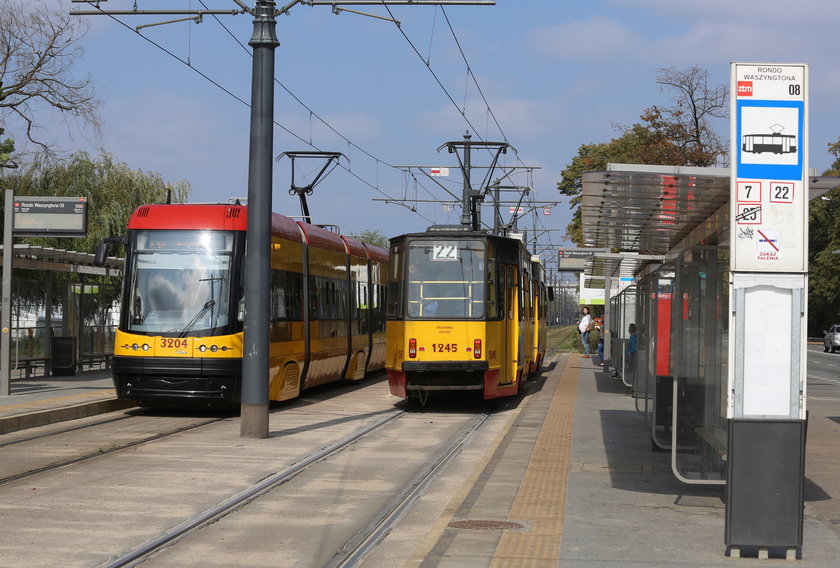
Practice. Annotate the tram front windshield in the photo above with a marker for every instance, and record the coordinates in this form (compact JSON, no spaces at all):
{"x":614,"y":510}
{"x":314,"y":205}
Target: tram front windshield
{"x":179,"y":282}
{"x":446,"y":279}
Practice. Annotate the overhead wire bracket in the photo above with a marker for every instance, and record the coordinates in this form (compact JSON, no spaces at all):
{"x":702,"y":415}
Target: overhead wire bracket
{"x":332,"y":159}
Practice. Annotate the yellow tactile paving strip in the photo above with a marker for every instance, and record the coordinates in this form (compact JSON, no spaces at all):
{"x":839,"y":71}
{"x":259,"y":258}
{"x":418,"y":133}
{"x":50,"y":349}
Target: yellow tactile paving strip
{"x":542,"y":495}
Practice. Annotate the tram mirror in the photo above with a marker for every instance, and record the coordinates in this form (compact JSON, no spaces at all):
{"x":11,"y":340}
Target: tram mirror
{"x":101,"y":253}
{"x":551,"y":294}
{"x":240,"y":311}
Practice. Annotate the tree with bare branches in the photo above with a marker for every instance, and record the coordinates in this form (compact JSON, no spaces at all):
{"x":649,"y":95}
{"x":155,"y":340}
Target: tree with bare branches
{"x":39,"y":46}
{"x":695,"y":104}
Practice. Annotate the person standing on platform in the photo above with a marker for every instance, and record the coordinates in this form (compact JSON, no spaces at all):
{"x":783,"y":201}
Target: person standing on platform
{"x":630,"y":351}
{"x":585,"y":325}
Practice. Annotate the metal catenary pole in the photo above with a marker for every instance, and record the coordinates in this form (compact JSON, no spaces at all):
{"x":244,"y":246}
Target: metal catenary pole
{"x":254,"y":423}
{"x":6,"y":317}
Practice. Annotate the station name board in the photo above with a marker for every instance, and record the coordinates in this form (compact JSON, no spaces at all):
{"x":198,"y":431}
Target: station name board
{"x":49,"y":216}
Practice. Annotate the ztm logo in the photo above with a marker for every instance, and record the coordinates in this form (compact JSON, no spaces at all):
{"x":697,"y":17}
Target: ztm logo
{"x":745,"y":88}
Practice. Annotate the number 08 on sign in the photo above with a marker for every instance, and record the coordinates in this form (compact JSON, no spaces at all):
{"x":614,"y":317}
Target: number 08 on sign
{"x":769,"y":194}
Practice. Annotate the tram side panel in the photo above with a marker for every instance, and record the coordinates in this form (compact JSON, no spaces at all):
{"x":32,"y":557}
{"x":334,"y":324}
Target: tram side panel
{"x":286,"y":334}
{"x":327,"y":283}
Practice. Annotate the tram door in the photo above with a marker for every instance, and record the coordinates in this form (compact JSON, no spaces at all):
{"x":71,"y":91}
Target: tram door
{"x":512,"y":339}
{"x":699,"y":353}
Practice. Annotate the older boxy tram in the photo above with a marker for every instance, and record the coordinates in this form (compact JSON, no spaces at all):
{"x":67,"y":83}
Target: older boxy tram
{"x":465,"y":312}
{"x":179,"y":339}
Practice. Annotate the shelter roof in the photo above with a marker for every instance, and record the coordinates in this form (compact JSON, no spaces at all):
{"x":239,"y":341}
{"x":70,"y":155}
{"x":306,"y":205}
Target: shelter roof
{"x":59,"y":260}
{"x":648,"y":210}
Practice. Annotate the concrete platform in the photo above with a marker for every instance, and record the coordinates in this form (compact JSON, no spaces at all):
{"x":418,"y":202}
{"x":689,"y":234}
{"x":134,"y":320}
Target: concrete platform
{"x":36,"y":401}
{"x":573,"y":481}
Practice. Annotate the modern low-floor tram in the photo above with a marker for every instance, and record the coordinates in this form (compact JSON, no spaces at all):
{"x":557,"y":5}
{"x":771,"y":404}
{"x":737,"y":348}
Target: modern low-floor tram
{"x":179,"y":340}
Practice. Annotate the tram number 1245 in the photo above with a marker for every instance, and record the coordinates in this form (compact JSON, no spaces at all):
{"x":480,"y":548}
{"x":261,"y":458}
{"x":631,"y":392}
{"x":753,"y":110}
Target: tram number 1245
{"x":444,"y":347}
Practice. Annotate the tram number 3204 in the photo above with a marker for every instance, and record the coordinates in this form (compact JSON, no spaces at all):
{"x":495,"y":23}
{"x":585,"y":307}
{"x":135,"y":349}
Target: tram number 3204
{"x":173,"y":343}
{"x":444,"y":347}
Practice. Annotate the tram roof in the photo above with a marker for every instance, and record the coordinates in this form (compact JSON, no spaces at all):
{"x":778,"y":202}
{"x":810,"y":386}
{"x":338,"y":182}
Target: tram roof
{"x":648,"y":210}
{"x":31,"y":257}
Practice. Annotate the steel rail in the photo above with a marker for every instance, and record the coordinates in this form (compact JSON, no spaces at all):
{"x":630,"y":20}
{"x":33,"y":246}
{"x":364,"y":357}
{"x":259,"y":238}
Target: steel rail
{"x":243,"y":497}
{"x":355,"y":550}
{"x":101,"y":453}
{"x":61,"y":431}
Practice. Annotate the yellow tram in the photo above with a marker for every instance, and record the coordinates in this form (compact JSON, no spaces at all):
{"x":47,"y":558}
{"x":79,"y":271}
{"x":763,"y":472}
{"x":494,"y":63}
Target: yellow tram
{"x":464,"y":313}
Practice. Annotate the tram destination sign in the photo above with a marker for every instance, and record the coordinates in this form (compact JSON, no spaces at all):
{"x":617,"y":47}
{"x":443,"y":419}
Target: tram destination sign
{"x":769,"y":192}
{"x":49,"y":216}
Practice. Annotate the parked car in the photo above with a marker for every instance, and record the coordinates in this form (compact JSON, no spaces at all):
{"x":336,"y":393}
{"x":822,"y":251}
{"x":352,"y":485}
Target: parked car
{"x":831,"y":341}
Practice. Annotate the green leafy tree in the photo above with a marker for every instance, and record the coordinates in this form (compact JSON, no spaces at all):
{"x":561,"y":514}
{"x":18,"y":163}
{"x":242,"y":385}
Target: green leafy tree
{"x":113,"y":191}
{"x":7,"y":146}
{"x":823,"y":264}
{"x":372,"y":237}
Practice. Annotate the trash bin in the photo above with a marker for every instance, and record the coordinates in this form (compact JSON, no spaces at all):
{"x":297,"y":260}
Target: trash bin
{"x":63,"y":356}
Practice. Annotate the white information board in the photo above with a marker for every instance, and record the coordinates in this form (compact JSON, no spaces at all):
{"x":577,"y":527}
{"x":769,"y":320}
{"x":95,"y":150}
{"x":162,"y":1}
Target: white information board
{"x":769,"y":193}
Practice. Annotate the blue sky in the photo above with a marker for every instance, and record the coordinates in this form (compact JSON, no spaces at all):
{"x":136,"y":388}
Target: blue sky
{"x":555,"y":75}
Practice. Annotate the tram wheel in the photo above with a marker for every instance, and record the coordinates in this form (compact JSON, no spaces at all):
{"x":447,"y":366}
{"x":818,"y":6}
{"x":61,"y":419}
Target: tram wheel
{"x":417,"y":399}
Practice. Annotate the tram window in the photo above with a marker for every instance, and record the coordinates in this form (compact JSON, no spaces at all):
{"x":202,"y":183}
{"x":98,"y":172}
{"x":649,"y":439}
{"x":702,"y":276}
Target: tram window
{"x":395,"y":281}
{"x":446,"y":279}
{"x":492,"y":296}
{"x":501,"y":292}
{"x":286,"y":296}
{"x":175,"y":274}
{"x":509,"y":286}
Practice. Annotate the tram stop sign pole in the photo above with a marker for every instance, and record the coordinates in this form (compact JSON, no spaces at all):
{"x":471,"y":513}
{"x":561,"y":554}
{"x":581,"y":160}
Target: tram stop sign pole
{"x":768,"y":307}
{"x":254,"y":408}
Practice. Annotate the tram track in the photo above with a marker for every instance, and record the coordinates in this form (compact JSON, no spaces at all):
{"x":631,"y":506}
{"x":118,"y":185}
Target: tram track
{"x":309,"y":494}
{"x":148,"y":549}
{"x":354,"y":552}
{"x":356,"y":548}
{"x":91,"y":455}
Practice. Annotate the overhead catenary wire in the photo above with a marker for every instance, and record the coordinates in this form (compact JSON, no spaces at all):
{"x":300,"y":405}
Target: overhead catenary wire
{"x":462,"y":112}
{"x":245,"y":103}
{"x":350,"y":143}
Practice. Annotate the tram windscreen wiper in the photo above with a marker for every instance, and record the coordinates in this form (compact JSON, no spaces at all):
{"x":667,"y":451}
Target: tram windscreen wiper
{"x":209,"y":304}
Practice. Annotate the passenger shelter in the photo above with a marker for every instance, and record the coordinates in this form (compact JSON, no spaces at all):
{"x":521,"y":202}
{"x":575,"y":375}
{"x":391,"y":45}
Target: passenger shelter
{"x":670,"y":278}
{"x":59,"y":324}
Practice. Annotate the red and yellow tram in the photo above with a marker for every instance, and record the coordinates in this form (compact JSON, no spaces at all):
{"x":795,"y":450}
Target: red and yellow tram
{"x":179,"y":339}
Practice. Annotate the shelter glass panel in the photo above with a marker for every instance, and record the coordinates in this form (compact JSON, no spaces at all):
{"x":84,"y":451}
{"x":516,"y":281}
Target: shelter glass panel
{"x":699,"y":350}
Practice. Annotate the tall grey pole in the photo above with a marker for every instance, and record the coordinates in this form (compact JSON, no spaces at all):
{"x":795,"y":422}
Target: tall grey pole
{"x":6,"y":316}
{"x":254,"y":409}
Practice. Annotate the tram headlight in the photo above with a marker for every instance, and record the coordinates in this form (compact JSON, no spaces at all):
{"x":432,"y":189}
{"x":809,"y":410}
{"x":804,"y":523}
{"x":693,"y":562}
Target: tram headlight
{"x":477,"y":349}
{"x":412,"y":348}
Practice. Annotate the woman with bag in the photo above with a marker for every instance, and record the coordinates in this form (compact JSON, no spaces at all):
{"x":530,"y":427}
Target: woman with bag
{"x":586,"y":325}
